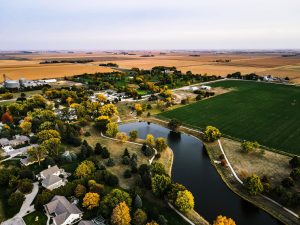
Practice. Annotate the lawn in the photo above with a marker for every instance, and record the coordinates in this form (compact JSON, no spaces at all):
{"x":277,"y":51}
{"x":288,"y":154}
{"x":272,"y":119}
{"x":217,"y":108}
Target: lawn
{"x":263,"y":112}
{"x":35,"y":218}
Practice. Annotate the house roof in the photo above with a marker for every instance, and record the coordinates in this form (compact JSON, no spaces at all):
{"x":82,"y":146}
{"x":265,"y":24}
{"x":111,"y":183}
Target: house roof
{"x":62,"y":209}
{"x":86,"y":222}
{"x":51,"y":179}
{"x":50,"y":171}
{"x":4,"y":141}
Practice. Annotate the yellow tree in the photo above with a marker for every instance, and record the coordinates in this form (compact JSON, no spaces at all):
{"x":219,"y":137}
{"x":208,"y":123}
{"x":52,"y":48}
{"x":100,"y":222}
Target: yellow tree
{"x":26,"y":127}
{"x":47,"y":134}
{"x":91,"y":200}
{"x":108,"y":110}
{"x":223,"y":220}
{"x":52,"y":145}
{"x":138,"y":108}
{"x":121,"y":215}
{"x":84,"y":169}
{"x":152,"y":223}
{"x":69,"y":100}
{"x":101,"y":98}
{"x":150,"y":140}
{"x":112,"y":129}
{"x":122,"y":137}
{"x":184,"y":201}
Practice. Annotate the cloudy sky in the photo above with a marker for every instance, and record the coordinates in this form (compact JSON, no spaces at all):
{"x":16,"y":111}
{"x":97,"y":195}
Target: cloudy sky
{"x":149,"y":24}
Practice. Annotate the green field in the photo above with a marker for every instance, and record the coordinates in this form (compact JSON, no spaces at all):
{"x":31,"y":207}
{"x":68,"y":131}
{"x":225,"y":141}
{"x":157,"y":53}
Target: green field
{"x":267,"y":113}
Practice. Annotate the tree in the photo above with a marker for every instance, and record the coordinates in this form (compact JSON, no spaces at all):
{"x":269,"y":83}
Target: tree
{"x":25,"y":186}
{"x":254,"y":185}
{"x":248,"y":146}
{"x":295,"y":162}
{"x":6,"y":117}
{"x":157,"y":168}
{"x":112,"y":129}
{"x":16,"y":199}
{"x":37,"y":153}
{"x":115,"y":197}
{"x":26,"y":127}
{"x":184,"y":201}
{"x":84,"y":169}
{"x":52,"y":145}
{"x":152,"y":223}
{"x":175,"y":188}
{"x":80,"y":190}
{"x":295,"y":174}
{"x":223,"y":220}
{"x":43,"y":198}
{"x":288,"y":182}
{"x":139,"y":217}
{"x":150,"y":140}
{"x":122,"y":136}
{"x":101,"y":98}
{"x":98,"y":149}
{"x":139,"y":109}
{"x":133,"y":135}
{"x":47,"y":134}
{"x":160,"y":184}
{"x":101,"y":122}
{"x":174,"y":124}
{"x":160,"y":144}
{"x":108,"y":110}
{"x":121,"y":215}
{"x":211,"y":134}
{"x":91,"y":200}
{"x":105,"y":153}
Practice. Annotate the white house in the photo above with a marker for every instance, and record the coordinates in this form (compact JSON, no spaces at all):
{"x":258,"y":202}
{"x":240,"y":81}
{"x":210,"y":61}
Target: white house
{"x":203,"y":87}
{"x":52,"y":177}
{"x":62,"y":211}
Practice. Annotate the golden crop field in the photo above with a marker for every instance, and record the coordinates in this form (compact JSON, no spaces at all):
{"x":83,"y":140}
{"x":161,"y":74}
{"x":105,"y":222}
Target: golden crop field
{"x":205,"y":63}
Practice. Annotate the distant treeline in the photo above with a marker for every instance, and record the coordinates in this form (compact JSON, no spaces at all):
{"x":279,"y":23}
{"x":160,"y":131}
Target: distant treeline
{"x":147,"y":55}
{"x":253,"y":76}
{"x":67,"y":61}
{"x":195,"y":55}
{"x":223,"y":60}
{"x":109,"y":64}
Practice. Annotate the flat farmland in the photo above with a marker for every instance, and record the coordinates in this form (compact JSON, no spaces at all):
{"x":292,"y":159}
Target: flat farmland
{"x":28,"y":65}
{"x":267,"y":113}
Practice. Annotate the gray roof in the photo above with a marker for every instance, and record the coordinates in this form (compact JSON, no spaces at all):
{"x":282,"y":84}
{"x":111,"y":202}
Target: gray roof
{"x":62,"y":209}
{"x":50,"y":171}
{"x":51,"y":179}
{"x":4,"y":141}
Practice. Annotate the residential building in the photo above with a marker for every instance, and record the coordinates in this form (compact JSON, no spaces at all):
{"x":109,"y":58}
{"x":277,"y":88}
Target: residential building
{"x":52,"y":177}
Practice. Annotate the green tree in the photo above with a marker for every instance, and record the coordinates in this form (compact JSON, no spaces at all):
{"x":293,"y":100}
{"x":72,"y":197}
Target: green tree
{"x":174,"y":124}
{"x":248,"y":146}
{"x":25,"y":186}
{"x":133,"y":135}
{"x":52,"y":145}
{"x":254,"y":185}
{"x":139,"y":217}
{"x":184,"y":201}
{"x":160,"y":184}
{"x":37,"y":153}
{"x":112,"y":129}
{"x":175,"y":188}
{"x":47,"y":134}
{"x":115,"y":197}
{"x":211,"y":134}
{"x":157,"y":168}
{"x":16,"y":200}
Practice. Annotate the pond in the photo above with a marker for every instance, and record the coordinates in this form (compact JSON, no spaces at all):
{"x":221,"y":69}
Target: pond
{"x":193,"y":169}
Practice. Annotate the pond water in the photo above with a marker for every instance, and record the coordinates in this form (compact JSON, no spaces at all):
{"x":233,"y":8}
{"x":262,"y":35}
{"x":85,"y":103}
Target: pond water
{"x":193,"y":169}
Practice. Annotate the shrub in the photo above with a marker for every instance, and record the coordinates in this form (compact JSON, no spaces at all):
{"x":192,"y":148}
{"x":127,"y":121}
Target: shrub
{"x":127,"y":174}
{"x":105,"y":153}
{"x":126,"y":153}
{"x":139,"y":217}
{"x":133,"y":135}
{"x":25,"y":186}
{"x":16,"y":199}
{"x":110,"y":162}
{"x":253,"y":185}
{"x":160,"y":144}
{"x":248,"y":146}
{"x":80,"y":190}
{"x":295,"y":162}
{"x":287,"y":182}
{"x":125,"y":160}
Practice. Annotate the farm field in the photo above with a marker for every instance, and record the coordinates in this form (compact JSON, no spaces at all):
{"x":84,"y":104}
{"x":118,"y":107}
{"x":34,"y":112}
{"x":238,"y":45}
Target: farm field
{"x":16,"y":65}
{"x":267,"y":113}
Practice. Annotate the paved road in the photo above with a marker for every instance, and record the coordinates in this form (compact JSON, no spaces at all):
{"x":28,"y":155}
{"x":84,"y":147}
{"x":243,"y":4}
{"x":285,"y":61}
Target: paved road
{"x":26,"y":208}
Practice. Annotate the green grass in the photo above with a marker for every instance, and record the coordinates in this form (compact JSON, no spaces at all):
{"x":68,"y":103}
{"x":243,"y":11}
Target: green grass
{"x":30,"y":219}
{"x":267,"y":113}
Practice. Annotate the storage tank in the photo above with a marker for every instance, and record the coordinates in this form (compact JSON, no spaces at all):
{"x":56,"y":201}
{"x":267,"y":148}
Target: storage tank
{"x":11,"y":84}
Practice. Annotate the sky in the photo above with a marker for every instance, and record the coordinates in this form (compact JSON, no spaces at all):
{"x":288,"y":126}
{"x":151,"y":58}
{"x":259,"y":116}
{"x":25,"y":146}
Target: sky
{"x":149,"y":24}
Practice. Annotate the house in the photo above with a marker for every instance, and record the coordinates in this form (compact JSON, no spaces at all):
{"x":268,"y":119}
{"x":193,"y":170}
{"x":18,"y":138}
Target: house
{"x":19,"y":140}
{"x":52,"y":177}
{"x":99,"y":220}
{"x":62,"y":211}
{"x":203,"y":87}
{"x":8,"y":149}
{"x":86,"y":222}
{"x":4,"y":142}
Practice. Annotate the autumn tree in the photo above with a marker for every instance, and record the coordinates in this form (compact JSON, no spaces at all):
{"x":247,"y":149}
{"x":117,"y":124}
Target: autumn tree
{"x":52,"y":145}
{"x":108,"y":110}
{"x":211,"y":134}
{"x":101,"y":122}
{"x":6,"y":117}
{"x":80,"y":190}
{"x":139,"y":109}
{"x":248,"y":146}
{"x":184,"y":201}
{"x":37,"y":153}
{"x":116,"y":196}
{"x":47,"y":134}
{"x":121,"y":215}
{"x":160,"y":184}
{"x":26,"y":127}
{"x":150,"y":140}
{"x":84,"y":169}
{"x":112,"y":129}
{"x":254,"y":185}
{"x":101,"y":98}
{"x":139,"y":217}
{"x":152,"y":223}
{"x":160,"y":144}
{"x":223,"y":220}
{"x":91,"y":200}
{"x":122,"y":136}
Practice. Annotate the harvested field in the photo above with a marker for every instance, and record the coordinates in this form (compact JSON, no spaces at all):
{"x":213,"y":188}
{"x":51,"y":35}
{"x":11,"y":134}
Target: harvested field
{"x":27,"y":65}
